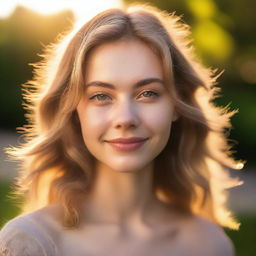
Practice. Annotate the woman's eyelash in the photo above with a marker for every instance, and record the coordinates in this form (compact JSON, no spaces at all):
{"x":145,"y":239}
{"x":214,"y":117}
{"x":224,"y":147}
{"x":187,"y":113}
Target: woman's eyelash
{"x":99,"y":96}
{"x":102,"y":96}
{"x":150,"y":93}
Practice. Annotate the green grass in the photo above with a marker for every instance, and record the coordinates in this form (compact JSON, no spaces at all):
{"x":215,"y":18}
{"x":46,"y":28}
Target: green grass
{"x":244,"y":240}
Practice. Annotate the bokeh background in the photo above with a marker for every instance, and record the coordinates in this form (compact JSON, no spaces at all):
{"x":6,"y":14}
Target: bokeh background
{"x":224,"y":36}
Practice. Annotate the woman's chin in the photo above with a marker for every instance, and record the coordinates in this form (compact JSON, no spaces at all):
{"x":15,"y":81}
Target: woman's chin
{"x":130,"y":167}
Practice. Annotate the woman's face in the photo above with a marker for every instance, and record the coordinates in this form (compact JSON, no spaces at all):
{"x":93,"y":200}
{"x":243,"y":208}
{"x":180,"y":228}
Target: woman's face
{"x":125,"y":98}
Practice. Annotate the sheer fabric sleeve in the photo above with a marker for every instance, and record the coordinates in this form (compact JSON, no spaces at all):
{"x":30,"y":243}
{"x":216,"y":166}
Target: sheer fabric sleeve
{"x":21,"y":237}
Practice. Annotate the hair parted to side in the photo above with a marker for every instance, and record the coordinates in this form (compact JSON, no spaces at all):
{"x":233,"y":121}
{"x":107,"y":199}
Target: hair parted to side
{"x":191,"y":172}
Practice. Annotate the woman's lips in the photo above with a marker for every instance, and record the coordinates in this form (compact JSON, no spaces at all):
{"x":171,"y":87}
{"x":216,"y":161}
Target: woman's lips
{"x":127,"y":144}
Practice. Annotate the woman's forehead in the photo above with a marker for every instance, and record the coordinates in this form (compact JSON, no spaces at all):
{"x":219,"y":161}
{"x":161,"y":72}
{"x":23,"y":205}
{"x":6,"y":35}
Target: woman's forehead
{"x":123,"y":60}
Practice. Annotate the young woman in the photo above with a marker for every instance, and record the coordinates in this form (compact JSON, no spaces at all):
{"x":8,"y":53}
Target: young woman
{"x":126,"y":153}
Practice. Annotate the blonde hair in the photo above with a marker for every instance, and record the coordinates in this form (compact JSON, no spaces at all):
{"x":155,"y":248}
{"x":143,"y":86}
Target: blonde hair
{"x":192,"y":170}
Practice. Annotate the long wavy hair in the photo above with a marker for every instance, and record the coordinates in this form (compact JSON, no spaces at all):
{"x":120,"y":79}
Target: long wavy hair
{"x":192,"y":170}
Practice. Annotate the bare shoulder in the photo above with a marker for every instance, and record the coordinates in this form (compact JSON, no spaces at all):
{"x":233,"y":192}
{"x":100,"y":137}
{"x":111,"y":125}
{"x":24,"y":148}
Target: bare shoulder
{"x":206,"y":237}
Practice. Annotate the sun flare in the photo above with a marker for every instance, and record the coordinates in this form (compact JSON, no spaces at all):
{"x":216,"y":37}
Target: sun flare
{"x":80,"y":8}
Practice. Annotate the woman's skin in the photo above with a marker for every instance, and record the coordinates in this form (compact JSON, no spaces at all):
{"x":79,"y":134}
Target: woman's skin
{"x":122,"y":215}
{"x":123,"y":186}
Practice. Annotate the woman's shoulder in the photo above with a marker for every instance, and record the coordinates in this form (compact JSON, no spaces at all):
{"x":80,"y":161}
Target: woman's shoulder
{"x":206,"y":237}
{"x":28,"y":234}
{"x":16,"y":239}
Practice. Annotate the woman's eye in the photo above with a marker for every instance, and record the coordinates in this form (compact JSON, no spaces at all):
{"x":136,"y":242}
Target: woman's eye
{"x":100,"y":97}
{"x":149,"y":94}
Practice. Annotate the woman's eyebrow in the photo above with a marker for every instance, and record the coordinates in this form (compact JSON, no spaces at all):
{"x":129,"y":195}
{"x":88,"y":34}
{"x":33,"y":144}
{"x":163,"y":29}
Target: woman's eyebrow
{"x":140,"y":83}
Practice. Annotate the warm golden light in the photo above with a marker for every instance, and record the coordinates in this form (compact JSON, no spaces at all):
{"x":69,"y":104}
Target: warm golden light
{"x":240,"y":166}
{"x":44,"y":7}
{"x":80,"y":8}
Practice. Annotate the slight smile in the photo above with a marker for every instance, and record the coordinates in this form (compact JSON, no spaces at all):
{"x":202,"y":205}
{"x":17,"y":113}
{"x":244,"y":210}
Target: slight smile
{"x":127,"y":144}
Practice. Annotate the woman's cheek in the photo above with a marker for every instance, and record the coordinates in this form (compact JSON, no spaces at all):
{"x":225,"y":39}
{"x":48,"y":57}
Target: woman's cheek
{"x":159,"y":115}
{"x":95,"y":119}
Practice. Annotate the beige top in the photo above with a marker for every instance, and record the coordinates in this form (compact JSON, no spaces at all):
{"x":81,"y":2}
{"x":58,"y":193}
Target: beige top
{"x":23,"y":236}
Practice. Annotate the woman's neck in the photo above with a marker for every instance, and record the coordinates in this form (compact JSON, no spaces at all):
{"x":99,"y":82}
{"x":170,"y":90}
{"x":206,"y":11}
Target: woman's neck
{"x":121,"y":198}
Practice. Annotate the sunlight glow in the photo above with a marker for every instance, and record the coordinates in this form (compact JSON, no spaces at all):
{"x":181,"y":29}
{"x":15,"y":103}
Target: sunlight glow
{"x":80,"y":8}
{"x":6,"y":8}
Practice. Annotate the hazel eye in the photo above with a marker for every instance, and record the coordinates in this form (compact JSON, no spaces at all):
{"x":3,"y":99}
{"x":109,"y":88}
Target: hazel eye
{"x":100,"y":97}
{"x":149,"y":94}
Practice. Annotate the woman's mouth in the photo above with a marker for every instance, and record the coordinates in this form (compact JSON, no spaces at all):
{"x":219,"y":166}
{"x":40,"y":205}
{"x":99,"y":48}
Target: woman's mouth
{"x":127,"y":144}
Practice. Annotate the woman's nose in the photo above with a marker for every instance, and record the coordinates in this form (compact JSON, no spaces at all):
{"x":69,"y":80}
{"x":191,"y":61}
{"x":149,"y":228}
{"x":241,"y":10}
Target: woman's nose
{"x":126,"y":115}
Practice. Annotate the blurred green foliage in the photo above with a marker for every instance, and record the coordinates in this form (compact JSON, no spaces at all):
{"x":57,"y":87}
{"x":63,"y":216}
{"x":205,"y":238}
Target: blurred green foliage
{"x":222,"y":32}
{"x":244,"y":239}
{"x":6,"y":203}
{"x":22,"y":38}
